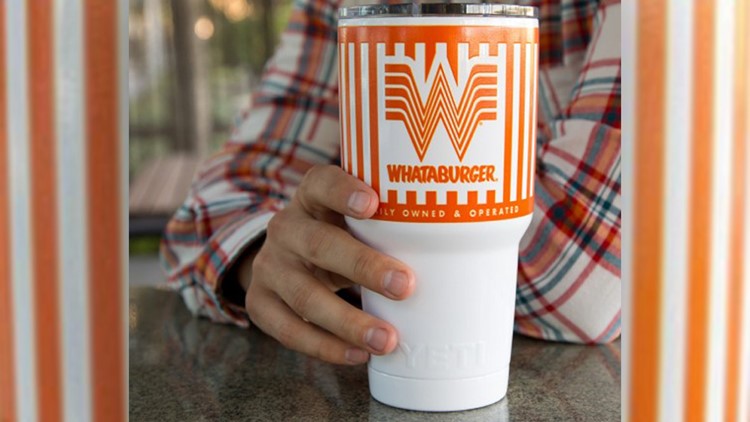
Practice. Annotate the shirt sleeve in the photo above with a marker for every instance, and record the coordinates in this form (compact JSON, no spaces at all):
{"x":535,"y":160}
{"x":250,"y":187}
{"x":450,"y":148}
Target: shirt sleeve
{"x":291,"y":126}
{"x":569,"y":270}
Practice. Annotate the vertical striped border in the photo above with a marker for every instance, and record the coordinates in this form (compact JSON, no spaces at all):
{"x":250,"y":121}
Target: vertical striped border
{"x":648,"y":206}
{"x":105,"y":209}
{"x":122,"y":25}
{"x":22,"y":274}
{"x":63,"y":178}
{"x":629,"y":43}
{"x":71,"y":178}
{"x":699,"y":228}
{"x":7,"y":371}
{"x":677,"y":189}
{"x":44,"y":207}
{"x":703,"y":326}
{"x":721,"y":202}
{"x":738,"y":268}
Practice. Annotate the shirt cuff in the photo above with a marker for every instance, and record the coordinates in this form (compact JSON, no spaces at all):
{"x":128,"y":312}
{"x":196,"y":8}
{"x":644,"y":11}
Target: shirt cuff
{"x":220,"y":254}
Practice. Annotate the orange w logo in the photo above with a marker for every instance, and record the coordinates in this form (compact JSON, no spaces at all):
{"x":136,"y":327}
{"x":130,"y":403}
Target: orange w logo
{"x":477,"y":103}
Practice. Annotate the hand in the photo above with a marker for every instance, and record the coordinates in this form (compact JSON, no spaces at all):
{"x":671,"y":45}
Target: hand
{"x":307,"y":256}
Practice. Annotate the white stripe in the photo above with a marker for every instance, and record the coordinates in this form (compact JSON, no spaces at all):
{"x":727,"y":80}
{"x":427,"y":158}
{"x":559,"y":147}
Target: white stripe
{"x":20,"y":173}
{"x":677,"y":187}
{"x":364,"y":80}
{"x":501,"y":109}
{"x":526,"y":121}
{"x":344,"y":112}
{"x":380,"y":77}
{"x":71,"y":185}
{"x":516,"y":121}
{"x":353,"y":107}
{"x":535,"y":121}
{"x":721,"y":210}
{"x":629,"y":66}
{"x":122,"y":68}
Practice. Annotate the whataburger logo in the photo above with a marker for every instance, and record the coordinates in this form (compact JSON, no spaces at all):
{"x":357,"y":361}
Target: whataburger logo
{"x":460,"y":92}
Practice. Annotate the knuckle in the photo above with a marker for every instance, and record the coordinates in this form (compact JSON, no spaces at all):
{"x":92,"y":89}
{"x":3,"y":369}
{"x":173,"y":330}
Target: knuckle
{"x":259,"y":263}
{"x":364,"y":265}
{"x":276,"y":225}
{"x":353,"y":328}
{"x":253,"y":307}
{"x":262,"y":269}
{"x":285,"y":335}
{"x":301,"y":300}
{"x":250,"y":306}
{"x":318,"y":242}
{"x":323,"y":351}
{"x":313,"y":175}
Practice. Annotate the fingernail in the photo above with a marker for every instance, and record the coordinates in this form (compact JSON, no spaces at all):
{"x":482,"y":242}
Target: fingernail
{"x":359,"y":202}
{"x":377,"y":339}
{"x":396,"y":283}
{"x":356,"y":356}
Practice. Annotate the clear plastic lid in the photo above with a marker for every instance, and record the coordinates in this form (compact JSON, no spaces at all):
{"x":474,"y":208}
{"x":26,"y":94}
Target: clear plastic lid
{"x":438,"y":9}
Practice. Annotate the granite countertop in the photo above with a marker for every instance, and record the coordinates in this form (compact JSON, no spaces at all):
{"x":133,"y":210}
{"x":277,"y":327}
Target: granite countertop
{"x":188,"y":369}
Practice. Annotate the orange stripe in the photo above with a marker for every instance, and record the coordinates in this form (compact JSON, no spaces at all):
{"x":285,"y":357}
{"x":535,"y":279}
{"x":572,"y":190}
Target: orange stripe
{"x":359,"y":117}
{"x":736,"y":246}
{"x":7,"y":372}
{"x":342,"y":122}
{"x":451,"y":198}
{"x":104,"y":207}
{"x":44,"y":209}
{"x":491,"y":197}
{"x":700,"y":219}
{"x":374,"y":135}
{"x":508,"y":121}
{"x":521,"y":125}
{"x":431,"y":198}
{"x":648,"y":210}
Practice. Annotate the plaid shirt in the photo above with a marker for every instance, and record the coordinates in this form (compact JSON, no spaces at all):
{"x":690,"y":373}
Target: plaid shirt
{"x":569,"y":266}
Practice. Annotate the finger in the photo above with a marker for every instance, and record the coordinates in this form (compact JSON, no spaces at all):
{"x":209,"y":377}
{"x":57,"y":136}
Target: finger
{"x":317,"y":304}
{"x":329,"y":188}
{"x":281,"y":323}
{"x":331,"y":280}
{"x":335,"y":250}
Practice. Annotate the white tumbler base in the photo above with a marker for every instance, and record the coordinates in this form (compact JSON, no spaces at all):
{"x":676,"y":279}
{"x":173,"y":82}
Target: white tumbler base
{"x":438,"y":395}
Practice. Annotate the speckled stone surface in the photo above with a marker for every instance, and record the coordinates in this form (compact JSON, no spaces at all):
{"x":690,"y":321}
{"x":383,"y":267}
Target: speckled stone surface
{"x":187,"y":369}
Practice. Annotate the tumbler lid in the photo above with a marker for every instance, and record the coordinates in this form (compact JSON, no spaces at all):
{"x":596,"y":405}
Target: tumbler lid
{"x":438,"y":9}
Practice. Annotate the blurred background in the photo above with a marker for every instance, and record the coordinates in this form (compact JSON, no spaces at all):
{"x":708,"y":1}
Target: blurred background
{"x":193,"y":65}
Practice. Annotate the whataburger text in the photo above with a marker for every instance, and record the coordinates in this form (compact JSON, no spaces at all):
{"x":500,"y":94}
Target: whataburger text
{"x":401,"y":173}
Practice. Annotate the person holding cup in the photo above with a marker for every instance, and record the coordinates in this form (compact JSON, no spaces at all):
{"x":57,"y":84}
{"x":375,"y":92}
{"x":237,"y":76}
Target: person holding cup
{"x":262,"y":236}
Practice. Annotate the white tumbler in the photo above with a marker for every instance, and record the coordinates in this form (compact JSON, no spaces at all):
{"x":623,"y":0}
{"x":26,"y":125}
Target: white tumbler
{"x":438,"y":115}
